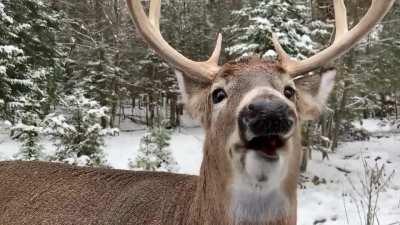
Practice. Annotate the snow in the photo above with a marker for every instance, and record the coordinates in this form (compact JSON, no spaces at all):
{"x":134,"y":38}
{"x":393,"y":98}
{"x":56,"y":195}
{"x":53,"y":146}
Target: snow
{"x":3,"y":69}
{"x":263,"y":21}
{"x":375,"y":125}
{"x":10,"y":49}
{"x":21,"y":126}
{"x":333,"y":202}
{"x":329,"y":202}
{"x":21,"y":27}
{"x":4,"y":16}
{"x":186,"y":145}
{"x":270,"y":54}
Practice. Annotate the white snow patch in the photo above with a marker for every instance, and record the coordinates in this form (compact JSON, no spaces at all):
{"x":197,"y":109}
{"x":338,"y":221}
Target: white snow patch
{"x":375,"y":125}
{"x":328,"y":201}
{"x":11,"y":49}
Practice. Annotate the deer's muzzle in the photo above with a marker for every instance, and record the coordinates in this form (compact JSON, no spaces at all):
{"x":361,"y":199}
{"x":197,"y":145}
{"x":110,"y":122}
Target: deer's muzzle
{"x":266,"y":117}
{"x":265,"y":125}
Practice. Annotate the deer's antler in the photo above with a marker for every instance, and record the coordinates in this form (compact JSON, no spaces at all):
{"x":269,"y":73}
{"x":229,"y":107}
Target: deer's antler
{"x":149,"y":27}
{"x":344,"y":38}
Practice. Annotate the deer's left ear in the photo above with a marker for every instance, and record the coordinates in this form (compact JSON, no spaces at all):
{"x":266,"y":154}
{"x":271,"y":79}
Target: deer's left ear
{"x":311,"y":103}
{"x":194,"y":96}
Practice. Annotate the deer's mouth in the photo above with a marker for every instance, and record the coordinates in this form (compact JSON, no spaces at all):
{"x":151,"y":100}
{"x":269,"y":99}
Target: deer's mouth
{"x":267,"y":146}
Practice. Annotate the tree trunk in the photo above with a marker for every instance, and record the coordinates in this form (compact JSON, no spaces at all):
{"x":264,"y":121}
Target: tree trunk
{"x":151,"y":110}
{"x":339,"y":114}
{"x":173,"y":109}
{"x":395,"y":106}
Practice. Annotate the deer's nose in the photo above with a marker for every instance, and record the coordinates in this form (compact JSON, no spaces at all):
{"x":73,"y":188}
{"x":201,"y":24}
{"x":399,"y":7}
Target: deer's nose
{"x":267,"y":117}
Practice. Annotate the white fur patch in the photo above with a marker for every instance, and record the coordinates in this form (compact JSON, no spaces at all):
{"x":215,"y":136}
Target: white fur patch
{"x":257,"y":168}
{"x":181,"y":84}
{"x":258,"y":207}
{"x":326,"y":86}
{"x":255,"y":192}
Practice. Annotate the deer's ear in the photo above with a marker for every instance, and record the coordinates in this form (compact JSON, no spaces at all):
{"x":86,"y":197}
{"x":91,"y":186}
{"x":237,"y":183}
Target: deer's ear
{"x":312,"y":101}
{"x":194,"y":95}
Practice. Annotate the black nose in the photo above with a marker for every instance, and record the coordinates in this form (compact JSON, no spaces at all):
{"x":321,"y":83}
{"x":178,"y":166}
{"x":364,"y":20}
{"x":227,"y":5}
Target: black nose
{"x":266,"y":117}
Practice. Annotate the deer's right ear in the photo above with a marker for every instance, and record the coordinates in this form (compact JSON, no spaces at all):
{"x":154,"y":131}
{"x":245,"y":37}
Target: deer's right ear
{"x":194,"y":95}
{"x":311,"y":103}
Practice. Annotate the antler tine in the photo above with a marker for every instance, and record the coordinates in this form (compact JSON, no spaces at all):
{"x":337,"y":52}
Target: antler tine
{"x":283,"y":57}
{"x":344,"y":39}
{"x":155,"y":14}
{"x":217,"y":51}
{"x":149,"y":27}
{"x":342,"y":26}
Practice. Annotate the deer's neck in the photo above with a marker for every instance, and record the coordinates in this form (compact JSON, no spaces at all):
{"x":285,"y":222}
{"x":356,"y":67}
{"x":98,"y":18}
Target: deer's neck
{"x":214,"y":196}
{"x":211,"y":196}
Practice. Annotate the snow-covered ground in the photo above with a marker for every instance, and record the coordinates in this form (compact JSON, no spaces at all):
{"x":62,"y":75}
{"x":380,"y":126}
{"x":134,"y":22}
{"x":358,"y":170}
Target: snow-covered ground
{"x":377,"y":125}
{"x":186,"y":145}
{"x":328,"y":202}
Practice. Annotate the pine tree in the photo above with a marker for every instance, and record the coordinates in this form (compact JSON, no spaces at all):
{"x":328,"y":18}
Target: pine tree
{"x":77,"y":131}
{"x":31,"y":149}
{"x":30,"y":56}
{"x":28,"y":131}
{"x":153,"y":153}
{"x":99,"y":53}
{"x":29,"y":62}
{"x":252,"y":27}
{"x":15,"y":80}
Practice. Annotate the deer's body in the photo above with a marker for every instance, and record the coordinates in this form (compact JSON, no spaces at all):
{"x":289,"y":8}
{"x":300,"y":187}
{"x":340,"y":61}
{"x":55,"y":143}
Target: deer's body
{"x":34,"y":193}
{"x":251,"y":111}
{"x":46,"y":193}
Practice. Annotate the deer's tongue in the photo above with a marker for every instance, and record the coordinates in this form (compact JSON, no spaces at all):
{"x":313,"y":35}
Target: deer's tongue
{"x":266,"y":145}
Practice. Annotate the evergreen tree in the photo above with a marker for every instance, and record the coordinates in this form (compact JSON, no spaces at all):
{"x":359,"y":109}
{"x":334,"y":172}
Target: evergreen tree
{"x":29,"y":62}
{"x":252,"y":27}
{"x":99,"y":54}
{"x":15,"y":80}
{"x":77,"y":130}
{"x":153,"y":153}
{"x":28,"y":131}
{"x":30,"y":149}
{"x":29,"y":54}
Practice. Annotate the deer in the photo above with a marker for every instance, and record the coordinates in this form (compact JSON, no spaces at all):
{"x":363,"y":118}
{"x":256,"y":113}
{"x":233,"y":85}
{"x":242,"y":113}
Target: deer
{"x":251,"y":110}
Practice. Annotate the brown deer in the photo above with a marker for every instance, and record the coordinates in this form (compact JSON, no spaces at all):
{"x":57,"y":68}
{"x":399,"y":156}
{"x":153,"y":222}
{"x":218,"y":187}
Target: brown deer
{"x":251,"y":111}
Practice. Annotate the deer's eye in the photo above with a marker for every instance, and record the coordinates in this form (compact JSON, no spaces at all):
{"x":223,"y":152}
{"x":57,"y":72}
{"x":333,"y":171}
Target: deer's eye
{"x":218,"y":95}
{"x":289,"y":92}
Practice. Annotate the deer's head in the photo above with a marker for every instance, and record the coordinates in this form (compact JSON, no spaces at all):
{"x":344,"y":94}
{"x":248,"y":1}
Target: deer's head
{"x":252,"y":109}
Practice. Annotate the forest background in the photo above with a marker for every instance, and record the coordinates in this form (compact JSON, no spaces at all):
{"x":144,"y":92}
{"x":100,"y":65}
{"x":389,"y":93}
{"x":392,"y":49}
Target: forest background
{"x":76,"y":71}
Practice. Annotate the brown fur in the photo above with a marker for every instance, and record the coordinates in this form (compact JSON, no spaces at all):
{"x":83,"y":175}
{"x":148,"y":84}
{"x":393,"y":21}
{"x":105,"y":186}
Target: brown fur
{"x":48,"y":193}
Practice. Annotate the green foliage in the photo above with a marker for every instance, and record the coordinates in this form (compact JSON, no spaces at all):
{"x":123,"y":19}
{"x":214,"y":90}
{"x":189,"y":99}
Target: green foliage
{"x":98,"y":60}
{"x":29,"y":57}
{"x":28,"y":54}
{"x":48,"y":49}
{"x":252,"y":27}
{"x":153,"y":153}
{"x":78,"y":132}
{"x":28,"y":130}
{"x":31,"y":149}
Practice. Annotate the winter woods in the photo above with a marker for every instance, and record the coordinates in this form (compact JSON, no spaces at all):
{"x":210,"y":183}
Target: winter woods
{"x":76,"y":78}
{"x":51,"y":49}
